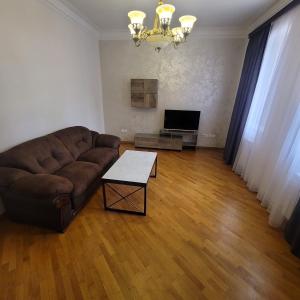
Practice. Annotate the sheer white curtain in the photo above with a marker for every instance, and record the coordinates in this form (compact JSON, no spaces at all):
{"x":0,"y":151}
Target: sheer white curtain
{"x":269,"y":154}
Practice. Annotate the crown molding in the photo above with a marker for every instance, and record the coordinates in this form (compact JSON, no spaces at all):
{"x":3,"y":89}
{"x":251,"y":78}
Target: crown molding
{"x":69,"y":12}
{"x":204,"y":32}
{"x":268,"y":14}
{"x":219,"y":32}
{"x":114,"y":35}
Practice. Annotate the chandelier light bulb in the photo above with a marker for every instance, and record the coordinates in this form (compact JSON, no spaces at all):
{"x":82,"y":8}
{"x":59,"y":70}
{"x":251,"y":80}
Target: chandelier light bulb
{"x":178,"y":36}
{"x":131,"y":29}
{"x":177,"y":31}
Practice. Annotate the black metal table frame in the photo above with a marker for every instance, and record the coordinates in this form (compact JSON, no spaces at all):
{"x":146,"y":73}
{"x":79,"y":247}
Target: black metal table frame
{"x":140,"y":186}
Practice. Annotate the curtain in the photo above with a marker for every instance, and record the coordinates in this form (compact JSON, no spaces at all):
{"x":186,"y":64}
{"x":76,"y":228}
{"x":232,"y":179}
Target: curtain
{"x":250,"y":72}
{"x":268,"y":157}
{"x":292,"y":230}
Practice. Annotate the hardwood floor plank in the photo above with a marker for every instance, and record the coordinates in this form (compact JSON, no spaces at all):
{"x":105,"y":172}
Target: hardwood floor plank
{"x":205,"y":237}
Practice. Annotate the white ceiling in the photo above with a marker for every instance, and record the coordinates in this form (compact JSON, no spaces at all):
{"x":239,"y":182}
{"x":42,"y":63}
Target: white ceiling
{"x":109,"y":15}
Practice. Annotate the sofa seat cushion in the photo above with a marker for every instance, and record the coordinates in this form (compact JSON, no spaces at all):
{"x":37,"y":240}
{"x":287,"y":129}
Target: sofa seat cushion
{"x":81,"y":174}
{"x":101,"y":156}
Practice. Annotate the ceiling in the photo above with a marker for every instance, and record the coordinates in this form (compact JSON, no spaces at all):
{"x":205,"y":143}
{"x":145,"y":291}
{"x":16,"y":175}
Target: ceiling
{"x":111,"y":15}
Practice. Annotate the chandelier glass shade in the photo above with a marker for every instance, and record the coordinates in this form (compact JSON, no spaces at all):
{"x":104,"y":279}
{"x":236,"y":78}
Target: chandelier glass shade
{"x":161,"y":34}
{"x":187,"y":23}
{"x":165,"y":13}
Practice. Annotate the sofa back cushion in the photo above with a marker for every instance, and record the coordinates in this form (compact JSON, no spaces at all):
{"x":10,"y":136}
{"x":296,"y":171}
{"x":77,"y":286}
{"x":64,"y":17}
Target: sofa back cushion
{"x":77,"y":139}
{"x":44,"y":155}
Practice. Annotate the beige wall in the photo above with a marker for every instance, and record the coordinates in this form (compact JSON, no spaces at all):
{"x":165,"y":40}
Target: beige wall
{"x":49,"y":72}
{"x":201,"y":75}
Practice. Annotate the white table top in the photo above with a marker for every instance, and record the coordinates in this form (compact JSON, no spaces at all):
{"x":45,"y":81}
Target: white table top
{"x":132,"y":166}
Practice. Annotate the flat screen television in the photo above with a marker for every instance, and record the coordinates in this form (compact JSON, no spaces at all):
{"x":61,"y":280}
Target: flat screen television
{"x":182,"y":119}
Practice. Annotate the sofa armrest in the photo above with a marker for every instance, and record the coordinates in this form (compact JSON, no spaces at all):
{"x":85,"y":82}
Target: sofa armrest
{"x":106,"y":140}
{"x":9,"y":176}
{"x":42,"y":187}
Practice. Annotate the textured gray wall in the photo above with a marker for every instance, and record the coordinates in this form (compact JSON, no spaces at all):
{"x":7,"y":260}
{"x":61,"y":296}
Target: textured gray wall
{"x":201,"y":75}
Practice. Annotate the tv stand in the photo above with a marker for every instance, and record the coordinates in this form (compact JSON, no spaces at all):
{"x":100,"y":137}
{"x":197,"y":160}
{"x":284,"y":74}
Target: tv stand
{"x":189,"y":137}
{"x":168,"y":139}
{"x":157,"y":141}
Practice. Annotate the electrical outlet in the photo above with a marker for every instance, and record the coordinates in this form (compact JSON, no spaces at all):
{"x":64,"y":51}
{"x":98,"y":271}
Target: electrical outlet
{"x":124,"y":130}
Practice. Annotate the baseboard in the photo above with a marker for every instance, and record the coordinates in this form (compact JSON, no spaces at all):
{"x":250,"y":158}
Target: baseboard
{"x":210,"y":148}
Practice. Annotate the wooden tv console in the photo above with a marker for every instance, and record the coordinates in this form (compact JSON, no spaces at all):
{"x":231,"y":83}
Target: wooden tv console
{"x":167,"y":139}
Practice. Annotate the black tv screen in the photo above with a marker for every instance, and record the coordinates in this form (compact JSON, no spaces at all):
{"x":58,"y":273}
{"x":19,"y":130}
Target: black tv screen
{"x":182,"y":119}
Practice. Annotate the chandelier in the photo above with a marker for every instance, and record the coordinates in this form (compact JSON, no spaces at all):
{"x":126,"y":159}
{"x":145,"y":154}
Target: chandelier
{"x":161,"y":34}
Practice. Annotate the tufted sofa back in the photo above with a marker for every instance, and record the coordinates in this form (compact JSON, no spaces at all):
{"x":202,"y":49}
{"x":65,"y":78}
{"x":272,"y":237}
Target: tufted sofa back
{"x":76,"y":139}
{"x":43,"y":155}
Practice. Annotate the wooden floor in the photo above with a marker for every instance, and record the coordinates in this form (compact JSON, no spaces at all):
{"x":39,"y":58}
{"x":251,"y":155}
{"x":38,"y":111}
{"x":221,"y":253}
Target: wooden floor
{"x":205,"y":237}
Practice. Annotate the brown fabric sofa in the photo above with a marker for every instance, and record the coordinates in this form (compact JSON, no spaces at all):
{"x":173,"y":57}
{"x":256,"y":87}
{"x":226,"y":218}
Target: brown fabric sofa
{"x":46,"y":181}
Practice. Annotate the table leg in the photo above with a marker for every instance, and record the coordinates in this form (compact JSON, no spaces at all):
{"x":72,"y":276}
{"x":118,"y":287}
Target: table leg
{"x":104,"y":195}
{"x":111,"y":208}
{"x":145,"y":200}
{"x":155,"y":169}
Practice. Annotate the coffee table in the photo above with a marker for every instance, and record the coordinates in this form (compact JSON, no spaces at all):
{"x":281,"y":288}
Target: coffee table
{"x":133,"y":168}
